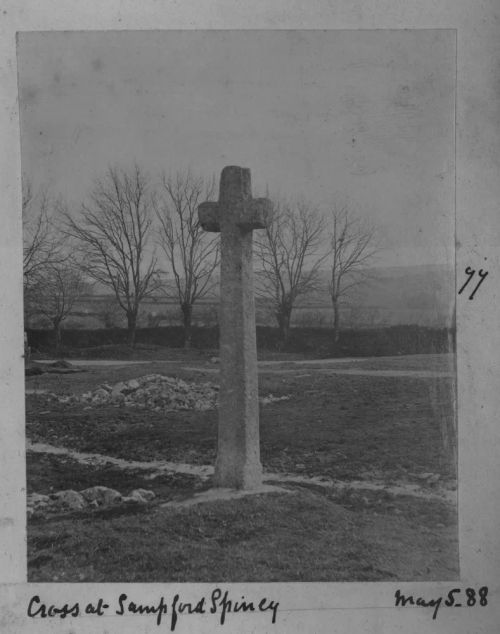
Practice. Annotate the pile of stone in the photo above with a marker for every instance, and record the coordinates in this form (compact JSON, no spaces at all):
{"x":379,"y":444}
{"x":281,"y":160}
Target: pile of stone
{"x":94,"y":497}
{"x":156,"y":392}
{"x":153,"y":391}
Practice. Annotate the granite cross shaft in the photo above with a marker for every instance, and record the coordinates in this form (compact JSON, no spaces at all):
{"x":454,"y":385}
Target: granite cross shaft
{"x":236,"y":215}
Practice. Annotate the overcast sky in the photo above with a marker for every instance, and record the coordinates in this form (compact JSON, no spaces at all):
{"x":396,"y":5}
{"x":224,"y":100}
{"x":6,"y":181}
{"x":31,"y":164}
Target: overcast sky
{"x":361,"y":115}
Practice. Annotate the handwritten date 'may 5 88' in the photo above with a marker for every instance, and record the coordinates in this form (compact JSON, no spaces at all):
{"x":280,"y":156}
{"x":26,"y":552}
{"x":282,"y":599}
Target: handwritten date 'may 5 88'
{"x":453,"y":599}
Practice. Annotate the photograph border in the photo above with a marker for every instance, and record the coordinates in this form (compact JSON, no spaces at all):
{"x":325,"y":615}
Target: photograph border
{"x":303,"y":607}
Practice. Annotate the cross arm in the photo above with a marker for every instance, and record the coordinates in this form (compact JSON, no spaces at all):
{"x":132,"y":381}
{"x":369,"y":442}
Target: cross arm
{"x":256,"y":214}
{"x":208,"y":215}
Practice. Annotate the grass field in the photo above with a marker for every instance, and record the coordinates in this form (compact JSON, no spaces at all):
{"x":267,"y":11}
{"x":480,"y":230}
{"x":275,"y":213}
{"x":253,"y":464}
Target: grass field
{"x":335,"y":428}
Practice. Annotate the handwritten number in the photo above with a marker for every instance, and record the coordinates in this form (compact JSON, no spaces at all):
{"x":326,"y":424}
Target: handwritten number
{"x":482,"y":592}
{"x":470,"y":274}
{"x":471,"y":597}
{"x":482,"y":274}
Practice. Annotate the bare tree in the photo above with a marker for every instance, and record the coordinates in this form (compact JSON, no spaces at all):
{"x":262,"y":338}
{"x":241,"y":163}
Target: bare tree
{"x":113,"y":232}
{"x":58,"y":287}
{"x":192,"y":253}
{"x":288,"y":253}
{"x":353,"y":244}
{"x":42,"y":244}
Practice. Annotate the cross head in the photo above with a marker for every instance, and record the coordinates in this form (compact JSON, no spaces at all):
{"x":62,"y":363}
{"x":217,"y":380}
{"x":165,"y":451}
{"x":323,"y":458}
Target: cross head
{"x":236,"y":206}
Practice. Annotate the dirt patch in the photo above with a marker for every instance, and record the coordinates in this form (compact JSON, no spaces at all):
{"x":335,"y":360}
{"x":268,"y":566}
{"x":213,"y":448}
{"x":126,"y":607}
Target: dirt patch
{"x":435,"y":489}
{"x":153,"y":468}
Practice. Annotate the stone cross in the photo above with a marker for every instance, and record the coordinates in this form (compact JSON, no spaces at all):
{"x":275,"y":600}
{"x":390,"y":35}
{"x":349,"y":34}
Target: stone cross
{"x":236,"y":215}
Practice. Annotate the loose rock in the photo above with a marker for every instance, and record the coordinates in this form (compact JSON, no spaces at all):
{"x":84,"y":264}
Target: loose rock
{"x":93,"y":497}
{"x":69,"y":499}
{"x":37,"y":500}
{"x":143,"y":493}
{"x":102,"y":495}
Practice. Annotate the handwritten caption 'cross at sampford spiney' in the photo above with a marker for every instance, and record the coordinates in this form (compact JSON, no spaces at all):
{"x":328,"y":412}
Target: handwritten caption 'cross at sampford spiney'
{"x":218,"y":603}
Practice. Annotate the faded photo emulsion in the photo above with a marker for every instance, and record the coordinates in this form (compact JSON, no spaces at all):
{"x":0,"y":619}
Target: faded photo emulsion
{"x":239,"y":305}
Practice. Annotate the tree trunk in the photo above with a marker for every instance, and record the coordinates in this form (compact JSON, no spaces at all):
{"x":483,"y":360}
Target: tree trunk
{"x":131,"y":327}
{"x":336,"y":321}
{"x":187,"y":314}
{"x":57,"y":335}
{"x":283,"y":316}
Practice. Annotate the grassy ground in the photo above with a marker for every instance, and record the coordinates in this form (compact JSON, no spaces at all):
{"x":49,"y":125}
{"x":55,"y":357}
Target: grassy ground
{"x":335,"y":426}
{"x":302,"y":536}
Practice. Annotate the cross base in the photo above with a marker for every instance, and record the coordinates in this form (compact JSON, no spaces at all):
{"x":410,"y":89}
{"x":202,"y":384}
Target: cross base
{"x":237,"y":475}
